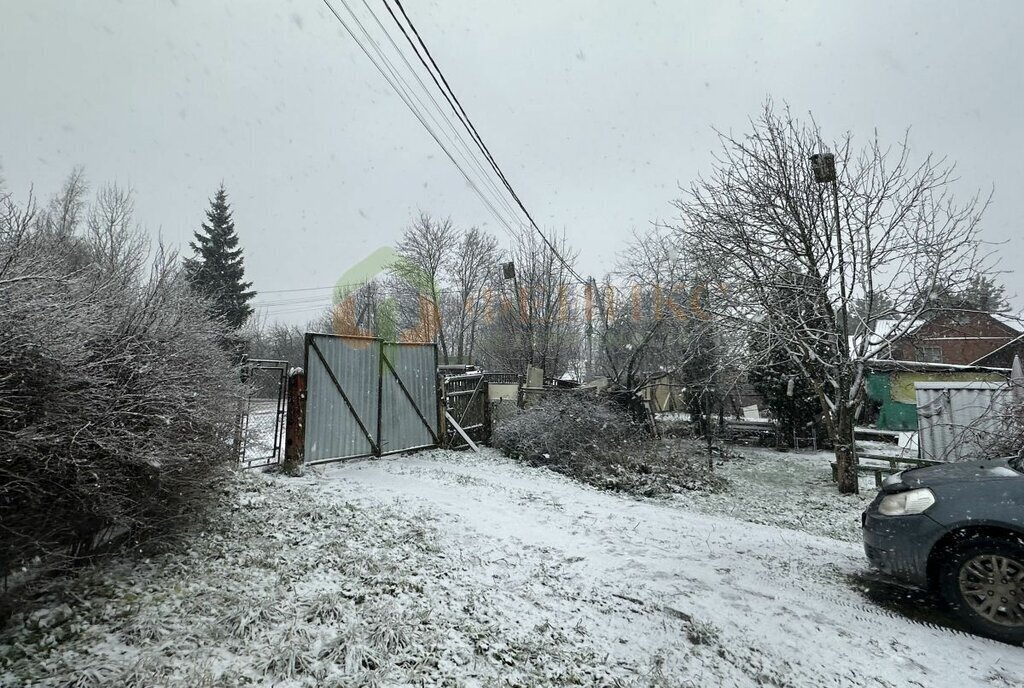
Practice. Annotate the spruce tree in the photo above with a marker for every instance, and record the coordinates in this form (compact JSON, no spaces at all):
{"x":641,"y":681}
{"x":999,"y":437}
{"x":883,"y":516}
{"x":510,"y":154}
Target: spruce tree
{"x":980,"y":293}
{"x":217,"y":270}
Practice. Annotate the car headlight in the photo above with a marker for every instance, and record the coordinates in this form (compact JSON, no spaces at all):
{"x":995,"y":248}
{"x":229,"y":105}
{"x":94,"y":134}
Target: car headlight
{"x":906,"y":503}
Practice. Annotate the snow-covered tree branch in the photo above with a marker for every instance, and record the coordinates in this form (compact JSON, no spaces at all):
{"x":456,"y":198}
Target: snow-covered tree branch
{"x":828,"y":277}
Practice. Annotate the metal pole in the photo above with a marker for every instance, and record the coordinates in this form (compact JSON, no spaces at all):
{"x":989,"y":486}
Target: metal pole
{"x":844,"y":314}
{"x":589,"y":302}
{"x":295,"y":423}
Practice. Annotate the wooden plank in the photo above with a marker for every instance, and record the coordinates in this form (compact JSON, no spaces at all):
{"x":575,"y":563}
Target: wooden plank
{"x":458,"y":429}
{"x":899,"y":459}
{"x":461,"y":392}
{"x":878,"y":472}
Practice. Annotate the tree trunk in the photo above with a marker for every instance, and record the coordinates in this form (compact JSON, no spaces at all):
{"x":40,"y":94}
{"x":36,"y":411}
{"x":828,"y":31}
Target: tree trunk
{"x":843,"y":444}
{"x":706,"y":421}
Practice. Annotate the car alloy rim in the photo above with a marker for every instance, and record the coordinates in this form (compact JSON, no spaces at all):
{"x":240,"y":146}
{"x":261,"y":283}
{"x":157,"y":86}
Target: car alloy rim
{"x":993,"y":586}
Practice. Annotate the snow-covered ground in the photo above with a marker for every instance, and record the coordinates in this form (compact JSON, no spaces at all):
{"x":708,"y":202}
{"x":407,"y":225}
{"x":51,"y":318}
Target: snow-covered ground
{"x":699,"y":598}
{"x":446,"y":568}
{"x":792,"y":490}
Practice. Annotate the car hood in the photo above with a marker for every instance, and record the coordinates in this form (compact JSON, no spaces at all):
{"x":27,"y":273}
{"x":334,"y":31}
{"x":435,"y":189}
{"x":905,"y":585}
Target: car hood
{"x":973,"y":471}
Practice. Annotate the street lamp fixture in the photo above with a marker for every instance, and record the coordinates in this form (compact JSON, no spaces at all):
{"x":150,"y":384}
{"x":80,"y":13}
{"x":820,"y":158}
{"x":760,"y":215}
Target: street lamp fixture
{"x":824,"y":167}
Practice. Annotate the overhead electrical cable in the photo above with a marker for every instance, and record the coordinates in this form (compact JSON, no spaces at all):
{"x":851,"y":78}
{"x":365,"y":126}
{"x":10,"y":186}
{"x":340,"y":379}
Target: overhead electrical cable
{"x":408,"y":102}
{"x":460,"y":112}
{"x":456,"y":133}
{"x":406,"y":93}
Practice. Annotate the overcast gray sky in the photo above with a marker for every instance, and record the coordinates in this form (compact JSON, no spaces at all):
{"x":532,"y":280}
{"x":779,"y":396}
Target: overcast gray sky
{"x":597,"y":111}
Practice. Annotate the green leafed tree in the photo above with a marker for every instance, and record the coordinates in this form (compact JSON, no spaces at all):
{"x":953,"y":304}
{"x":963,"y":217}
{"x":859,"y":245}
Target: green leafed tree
{"x":217,"y":270}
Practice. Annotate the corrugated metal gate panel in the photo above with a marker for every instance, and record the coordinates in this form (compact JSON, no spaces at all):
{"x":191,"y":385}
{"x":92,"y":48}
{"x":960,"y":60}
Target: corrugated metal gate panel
{"x":360,"y":404}
{"x":409,"y":421}
{"x":333,"y":427}
{"x":956,"y":420}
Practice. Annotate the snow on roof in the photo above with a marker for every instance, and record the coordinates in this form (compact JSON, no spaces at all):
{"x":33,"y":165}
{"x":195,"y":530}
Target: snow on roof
{"x":1014,"y":322}
{"x":894,"y":364}
{"x":883,"y":334}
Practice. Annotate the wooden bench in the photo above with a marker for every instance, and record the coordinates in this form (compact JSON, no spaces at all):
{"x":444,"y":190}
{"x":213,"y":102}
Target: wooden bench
{"x":749,"y":429}
{"x":876,"y":435}
{"x":895,"y":465}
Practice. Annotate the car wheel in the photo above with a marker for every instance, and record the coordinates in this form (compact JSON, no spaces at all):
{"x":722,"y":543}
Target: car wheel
{"x":982,"y":580}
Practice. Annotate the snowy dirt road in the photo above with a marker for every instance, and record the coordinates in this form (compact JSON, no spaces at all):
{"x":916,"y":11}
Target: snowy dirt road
{"x":667,"y":593}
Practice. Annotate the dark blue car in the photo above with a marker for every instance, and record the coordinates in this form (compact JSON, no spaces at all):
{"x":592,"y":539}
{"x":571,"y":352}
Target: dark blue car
{"x":956,"y":529}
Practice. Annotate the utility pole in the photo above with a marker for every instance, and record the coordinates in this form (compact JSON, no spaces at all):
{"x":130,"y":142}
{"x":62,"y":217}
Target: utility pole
{"x":589,"y":305}
{"x":824,"y":167}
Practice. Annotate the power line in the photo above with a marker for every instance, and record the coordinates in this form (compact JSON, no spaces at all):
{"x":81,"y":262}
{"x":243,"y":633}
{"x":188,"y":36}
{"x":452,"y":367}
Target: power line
{"x":324,"y":299}
{"x":311,"y":297}
{"x":469,"y":155}
{"x":446,"y":90}
{"x":456,"y":106}
{"x":292,"y":311}
{"x":289,"y":291}
{"x":460,"y":112}
{"x":405,"y":99}
{"x":403,"y":91}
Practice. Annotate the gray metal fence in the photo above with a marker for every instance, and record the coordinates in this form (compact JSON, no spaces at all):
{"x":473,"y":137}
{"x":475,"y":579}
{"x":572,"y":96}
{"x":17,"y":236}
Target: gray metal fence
{"x":956,"y":420}
{"x":367,"y":397}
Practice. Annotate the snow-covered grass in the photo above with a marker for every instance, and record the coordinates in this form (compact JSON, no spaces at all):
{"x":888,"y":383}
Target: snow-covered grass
{"x":787,"y":489}
{"x":452,"y":569}
{"x":294,"y":585}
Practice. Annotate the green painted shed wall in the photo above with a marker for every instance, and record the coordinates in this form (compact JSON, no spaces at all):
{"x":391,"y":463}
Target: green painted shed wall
{"x":893,"y":415}
{"x":893,"y":390}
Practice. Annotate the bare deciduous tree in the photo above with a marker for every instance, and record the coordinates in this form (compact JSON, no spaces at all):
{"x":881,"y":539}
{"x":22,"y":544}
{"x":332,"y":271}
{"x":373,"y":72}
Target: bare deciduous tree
{"x":767,"y":230}
{"x":472,"y":269}
{"x":65,"y":211}
{"x":424,"y":250}
{"x":646,"y":322}
{"x":536,"y":318}
{"x":116,"y":243}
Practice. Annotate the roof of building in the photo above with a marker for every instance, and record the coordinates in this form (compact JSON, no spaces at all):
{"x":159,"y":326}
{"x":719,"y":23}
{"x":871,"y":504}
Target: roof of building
{"x":884,"y":364}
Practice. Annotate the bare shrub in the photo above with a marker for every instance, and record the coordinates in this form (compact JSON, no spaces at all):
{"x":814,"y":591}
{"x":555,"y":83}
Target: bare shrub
{"x":1005,"y":436}
{"x":115,"y":399}
{"x":595,"y":440}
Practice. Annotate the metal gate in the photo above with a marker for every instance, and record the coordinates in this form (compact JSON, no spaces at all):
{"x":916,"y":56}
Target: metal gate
{"x":466,"y":403}
{"x":260,"y":430}
{"x":367,"y":397}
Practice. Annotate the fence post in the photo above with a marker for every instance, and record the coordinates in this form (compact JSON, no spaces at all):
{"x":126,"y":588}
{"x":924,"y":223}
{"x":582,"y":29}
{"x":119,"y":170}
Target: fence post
{"x":443,"y":440}
{"x":295,"y":423}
